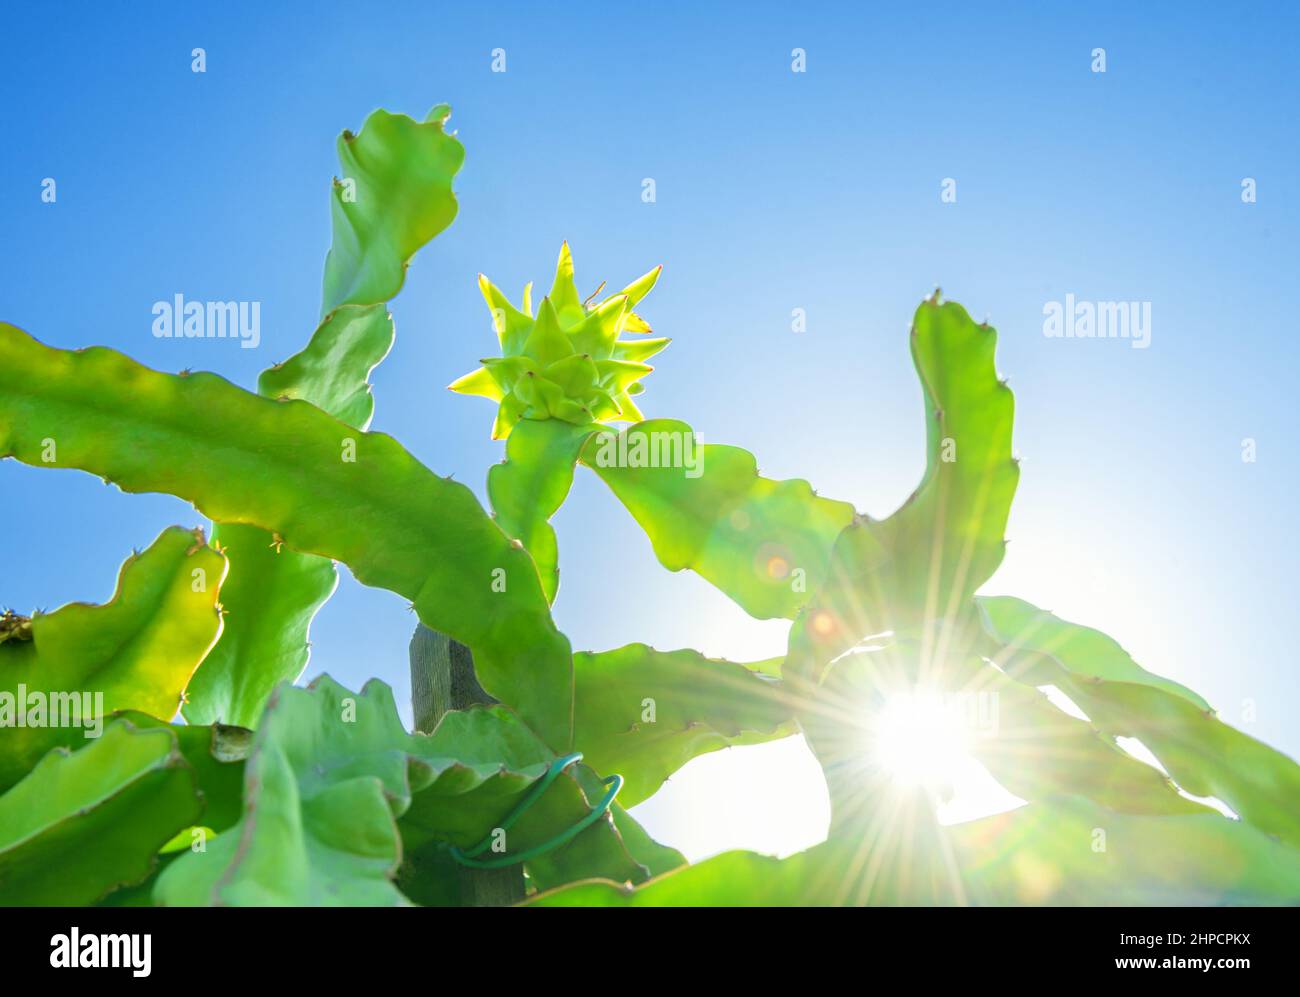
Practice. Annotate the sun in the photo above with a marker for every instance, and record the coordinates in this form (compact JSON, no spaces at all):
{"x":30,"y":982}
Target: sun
{"x":920,"y":739}
{"x":926,"y":739}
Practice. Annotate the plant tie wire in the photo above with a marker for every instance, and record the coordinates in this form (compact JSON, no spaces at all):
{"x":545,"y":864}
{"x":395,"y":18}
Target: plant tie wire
{"x":470,"y":857}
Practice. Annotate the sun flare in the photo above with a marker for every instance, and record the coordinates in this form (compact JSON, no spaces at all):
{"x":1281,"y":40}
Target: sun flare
{"x":920,"y":740}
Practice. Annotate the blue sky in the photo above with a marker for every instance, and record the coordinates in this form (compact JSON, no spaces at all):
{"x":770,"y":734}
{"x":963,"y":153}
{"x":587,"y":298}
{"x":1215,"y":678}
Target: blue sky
{"x":775,"y":191}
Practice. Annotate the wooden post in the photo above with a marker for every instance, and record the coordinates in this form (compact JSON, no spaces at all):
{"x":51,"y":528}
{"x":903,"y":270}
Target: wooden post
{"x":442,"y":679}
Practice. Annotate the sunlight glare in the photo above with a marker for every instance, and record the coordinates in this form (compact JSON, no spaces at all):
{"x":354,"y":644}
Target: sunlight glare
{"x":920,"y":740}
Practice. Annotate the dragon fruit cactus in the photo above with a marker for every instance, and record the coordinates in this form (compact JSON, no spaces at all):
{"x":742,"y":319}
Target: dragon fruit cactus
{"x":569,"y":361}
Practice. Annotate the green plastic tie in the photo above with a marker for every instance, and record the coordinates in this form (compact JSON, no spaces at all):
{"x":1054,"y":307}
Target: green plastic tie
{"x":468,"y":858}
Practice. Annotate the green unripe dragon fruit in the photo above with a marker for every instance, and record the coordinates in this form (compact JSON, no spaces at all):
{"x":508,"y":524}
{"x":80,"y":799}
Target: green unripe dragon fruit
{"x":569,"y":361}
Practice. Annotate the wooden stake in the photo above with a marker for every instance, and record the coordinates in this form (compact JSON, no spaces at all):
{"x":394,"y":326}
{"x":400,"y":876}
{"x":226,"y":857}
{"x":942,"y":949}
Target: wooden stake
{"x":442,"y":679}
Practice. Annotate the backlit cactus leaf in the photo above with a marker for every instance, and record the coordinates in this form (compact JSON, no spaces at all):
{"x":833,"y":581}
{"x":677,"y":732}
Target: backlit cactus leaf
{"x":1071,"y":852}
{"x":269,"y":601}
{"x":1038,"y":751}
{"x":764,"y":543}
{"x":1065,"y":853}
{"x":245,"y":459}
{"x":926,"y":560}
{"x":83,"y":823}
{"x":137,"y":651}
{"x":1025,"y":631}
{"x":529,"y":486}
{"x":402,"y":170}
{"x":947,"y":538}
{"x":394,"y":197}
{"x":333,"y":371}
{"x":645,"y":713}
{"x":568,"y":362}
{"x":1202,"y":754}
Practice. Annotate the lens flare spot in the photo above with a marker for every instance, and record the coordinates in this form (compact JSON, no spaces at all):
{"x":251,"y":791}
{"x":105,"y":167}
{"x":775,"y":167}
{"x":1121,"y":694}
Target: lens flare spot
{"x":823,"y":624}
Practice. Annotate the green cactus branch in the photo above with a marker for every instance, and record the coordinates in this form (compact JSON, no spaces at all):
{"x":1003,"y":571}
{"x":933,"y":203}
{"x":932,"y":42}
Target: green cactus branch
{"x":135,"y":652}
{"x":280,"y":466}
{"x":395,"y":196}
{"x":1203,"y":755}
{"x":644,"y":713}
{"x":764,"y":543}
{"x":925,"y":561}
{"x":81,"y":824}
